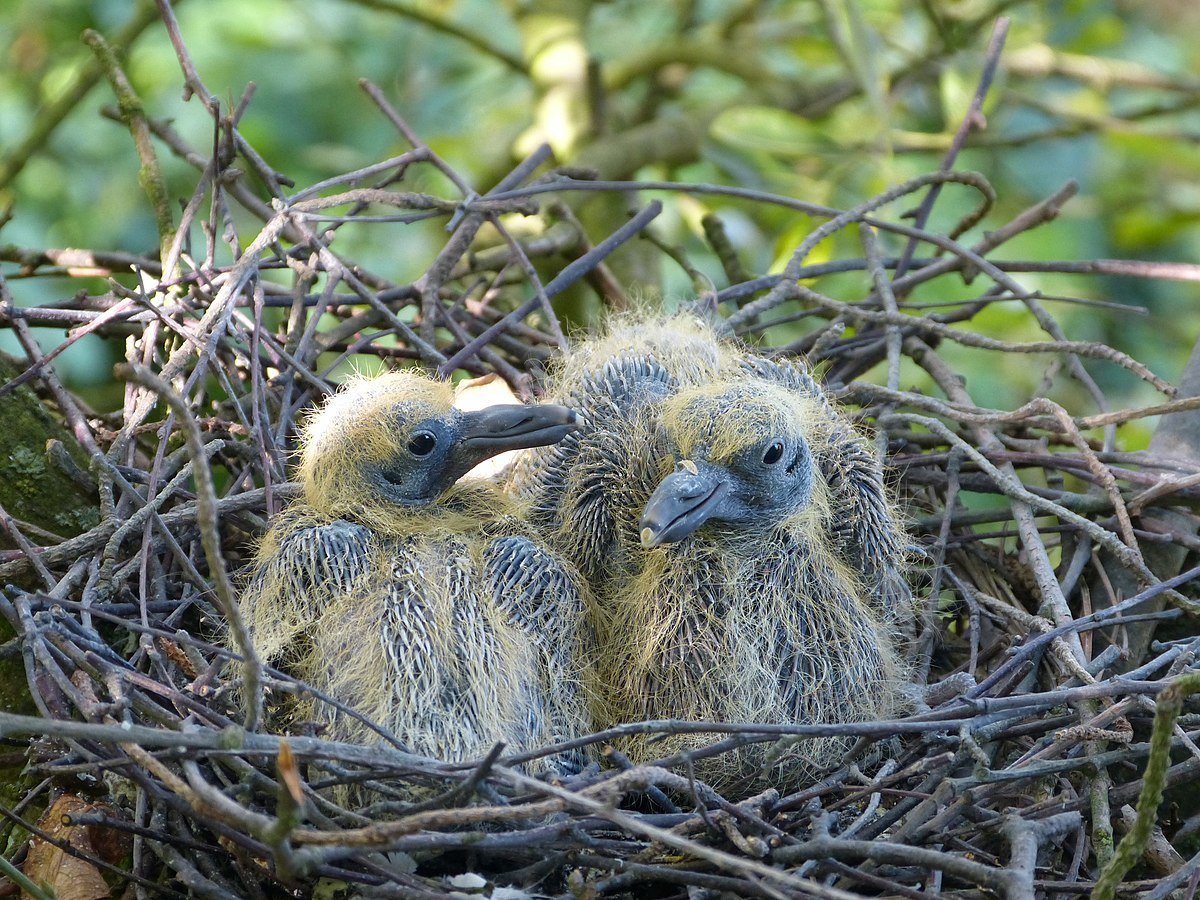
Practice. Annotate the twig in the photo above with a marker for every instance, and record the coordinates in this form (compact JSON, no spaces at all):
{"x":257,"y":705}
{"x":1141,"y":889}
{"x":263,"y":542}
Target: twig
{"x":207,"y":515}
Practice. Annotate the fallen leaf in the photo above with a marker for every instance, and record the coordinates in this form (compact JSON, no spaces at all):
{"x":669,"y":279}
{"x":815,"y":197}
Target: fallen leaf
{"x":70,"y":877}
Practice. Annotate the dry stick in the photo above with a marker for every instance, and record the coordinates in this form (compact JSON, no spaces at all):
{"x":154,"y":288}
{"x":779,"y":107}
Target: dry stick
{"x":191,"y":78}
{"x":1048,"y":323}
{"x":860,"y":213}
{"x":1005,"y":882}
{"x":150,"y":174}
{"x":234,"y":186}
{"x":964,"y":259}
{"x":970,"y":263}
{"x":204,"y":799}
{"x":1031,"y":624}
{"x":1021,"y":499}
{"x":75,"y":262}
{"x":1103,"y":474}
{"x":1129,"y":851}
{"x":69,"y":849}
{"x":566,"y":183}
{"x":194,"y":85}
{"x":1051,"y":592}
{"x":1134,"y":268}
{"x":90,"y":541}
{"x":37,"y":365}
{"x":398,"y":122}
{"x":269,"y":458}
{"x":883,"y":286}
{"x":963,"y":711}
{"x":1025,"y":838}
{"x":335,"y":267}
{"x":506,"y":370}
{"x":395,"y":162}
{"x":171,"y":256}
{"x":1038,"y":214}
{"x":9,"y":527}
{"x":303,"y":371}
{"x":434,"y":277}
{"x":865,"y":393}
{"x":12,"y":726}
{"x":633,"y":825}
{"x":211,"y":324}
{"x":207,"y":516}
{"x":1160,"y":485}
{"x":150,"y":507}
{"x":564,"y":279}
{"x":973,"y":120}
{"x":409,"y":200}
{"x":1005,"y":477}
{"x":223,"y":654}
{"x":514,"y":178}
{"x":62,"y":397}
{"x":535,"y":281}
{"x":1187,"y":872}
{"x":633,"y":874}
{"x":1096,"y":619}
{"x":472,"y":211}
{"x":923,"y":325}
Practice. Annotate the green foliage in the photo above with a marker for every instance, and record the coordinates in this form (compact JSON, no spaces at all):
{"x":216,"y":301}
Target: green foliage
{"x":827,"y":102}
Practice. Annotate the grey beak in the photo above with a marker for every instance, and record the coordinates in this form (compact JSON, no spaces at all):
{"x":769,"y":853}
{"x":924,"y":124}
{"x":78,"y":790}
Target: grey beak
{"x":487,"y":432}
{"x":685,"y":500}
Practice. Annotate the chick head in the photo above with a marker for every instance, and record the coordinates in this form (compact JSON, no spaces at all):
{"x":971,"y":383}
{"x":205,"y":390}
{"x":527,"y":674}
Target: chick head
{"x":396,"y":439}
{"x":743,"y":455}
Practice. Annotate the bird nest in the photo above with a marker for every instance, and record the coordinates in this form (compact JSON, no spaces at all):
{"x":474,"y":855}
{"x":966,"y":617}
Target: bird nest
{"x":1048,"y":717}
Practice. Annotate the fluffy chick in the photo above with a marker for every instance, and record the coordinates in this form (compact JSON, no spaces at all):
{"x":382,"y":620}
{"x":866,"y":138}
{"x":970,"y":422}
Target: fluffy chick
{"x":424,"y":604}
{"x":744,"y":557}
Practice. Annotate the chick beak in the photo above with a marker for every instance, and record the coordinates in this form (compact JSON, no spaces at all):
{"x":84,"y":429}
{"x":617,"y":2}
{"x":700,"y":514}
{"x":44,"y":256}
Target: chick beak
{"x":484,"y":433}
{"x":685,"y":500}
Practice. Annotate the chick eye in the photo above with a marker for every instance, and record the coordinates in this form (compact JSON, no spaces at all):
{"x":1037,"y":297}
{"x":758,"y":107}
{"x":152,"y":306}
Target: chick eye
{"x":422,"y":443}
{"x":774,"y":454}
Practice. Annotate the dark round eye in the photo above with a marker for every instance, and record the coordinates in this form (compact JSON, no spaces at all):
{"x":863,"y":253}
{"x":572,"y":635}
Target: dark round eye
{"x":774,"y":453}
{"x":422,"y":443}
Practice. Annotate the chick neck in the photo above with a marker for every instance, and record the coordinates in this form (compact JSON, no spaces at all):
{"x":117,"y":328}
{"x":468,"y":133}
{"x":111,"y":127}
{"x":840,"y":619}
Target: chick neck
{"x":463,"y":508}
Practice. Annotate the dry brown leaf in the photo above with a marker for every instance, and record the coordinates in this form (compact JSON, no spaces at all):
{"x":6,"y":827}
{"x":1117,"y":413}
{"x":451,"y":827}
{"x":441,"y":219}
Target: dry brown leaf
{"x":68,"y":876}
{"x":289,"y":774}
{"x":175,"y":653}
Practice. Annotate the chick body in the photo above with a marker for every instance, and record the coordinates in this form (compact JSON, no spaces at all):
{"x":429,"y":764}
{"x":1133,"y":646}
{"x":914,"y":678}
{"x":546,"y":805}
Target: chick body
{"x":786,"y":604}
{"x":428,"y":606}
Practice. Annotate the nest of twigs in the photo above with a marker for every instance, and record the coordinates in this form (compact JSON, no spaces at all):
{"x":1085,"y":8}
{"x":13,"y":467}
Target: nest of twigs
{"x":1054,"y":725}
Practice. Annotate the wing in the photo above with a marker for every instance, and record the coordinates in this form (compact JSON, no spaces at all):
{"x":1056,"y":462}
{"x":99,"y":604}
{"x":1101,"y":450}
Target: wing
{"x":541,"y":596}
{"x":588,"y":490}
{"x":420,"y":653}
{"x":302,"y":565}
{"x":444,"y":676}
{"x":864,"y":525}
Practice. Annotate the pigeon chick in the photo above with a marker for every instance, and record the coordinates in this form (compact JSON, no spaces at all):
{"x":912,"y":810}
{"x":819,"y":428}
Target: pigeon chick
{"x":744,"y":559}
{"x":426,"y":605}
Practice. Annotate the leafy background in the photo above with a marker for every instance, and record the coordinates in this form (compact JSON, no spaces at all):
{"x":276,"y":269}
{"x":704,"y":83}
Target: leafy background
{"x":829,"y":102}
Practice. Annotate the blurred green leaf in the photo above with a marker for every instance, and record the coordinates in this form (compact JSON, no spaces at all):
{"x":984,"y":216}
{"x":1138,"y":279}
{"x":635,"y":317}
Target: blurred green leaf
{"x":771,"y":130}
